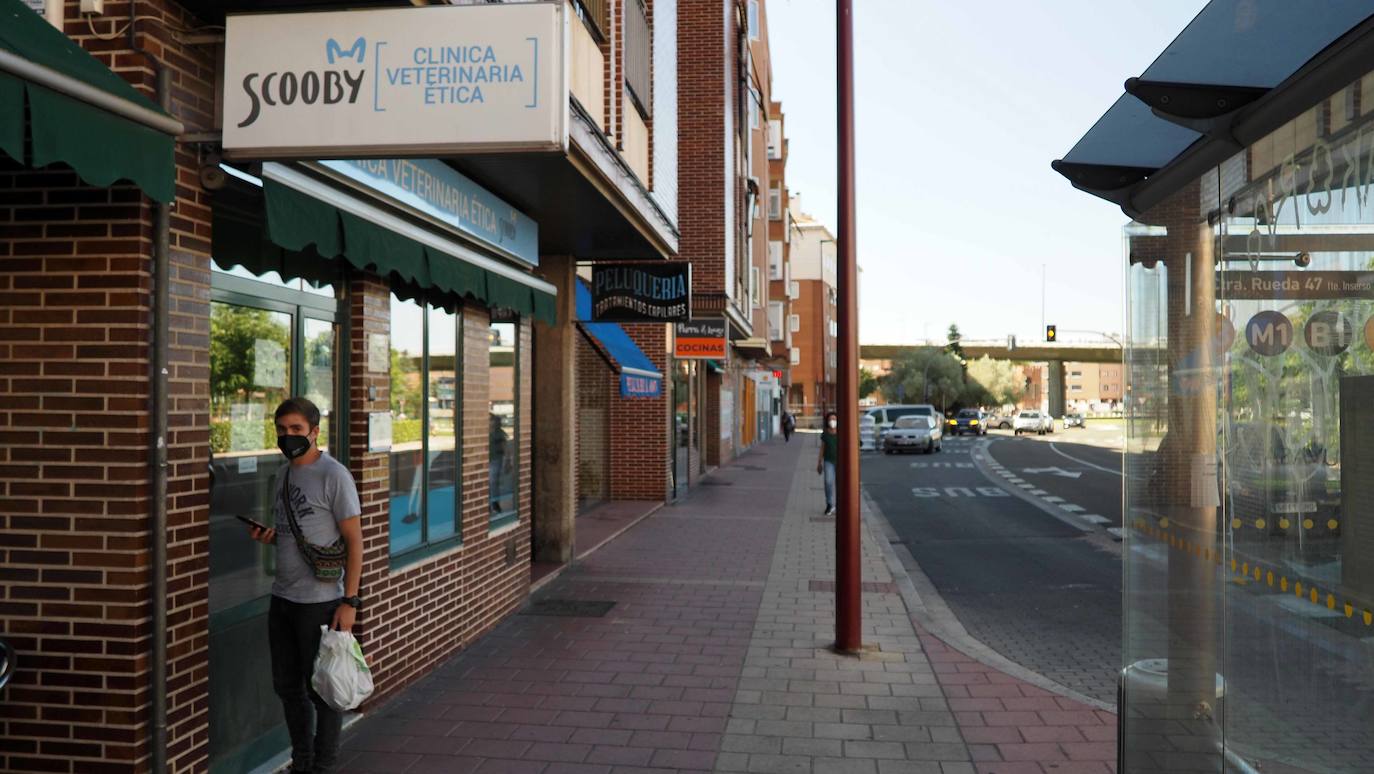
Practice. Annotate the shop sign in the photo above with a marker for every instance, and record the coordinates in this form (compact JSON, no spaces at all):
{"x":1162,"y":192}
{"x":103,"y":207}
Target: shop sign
{"x":641,"y":292}
{"x":435,"y":189}
{"x":412,"y":81}
{"x":634,"y":384}
{"x":1296,"y":285}
{"x":699,"y":339}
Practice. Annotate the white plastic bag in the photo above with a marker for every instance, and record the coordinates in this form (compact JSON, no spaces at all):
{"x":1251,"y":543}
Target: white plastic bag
{"x":341,"y":676}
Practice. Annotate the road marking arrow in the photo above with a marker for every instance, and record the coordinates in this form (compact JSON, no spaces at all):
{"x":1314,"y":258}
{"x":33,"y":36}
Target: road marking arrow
{"x":1054,"y":472}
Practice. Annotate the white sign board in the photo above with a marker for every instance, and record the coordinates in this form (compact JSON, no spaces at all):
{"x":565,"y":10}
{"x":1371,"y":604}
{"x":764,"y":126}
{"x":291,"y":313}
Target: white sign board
{"x":398,"y":81}
{"x":379,"y":431}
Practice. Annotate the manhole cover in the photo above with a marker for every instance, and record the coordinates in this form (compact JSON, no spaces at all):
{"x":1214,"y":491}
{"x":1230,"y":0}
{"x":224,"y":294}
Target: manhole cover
{"x":572,"y":608}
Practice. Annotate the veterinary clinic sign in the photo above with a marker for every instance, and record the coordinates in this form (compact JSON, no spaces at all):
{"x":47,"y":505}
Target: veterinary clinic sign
{"x":396,"y":82}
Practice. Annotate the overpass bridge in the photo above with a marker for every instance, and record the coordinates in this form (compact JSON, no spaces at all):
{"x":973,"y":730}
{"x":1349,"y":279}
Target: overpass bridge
{"x":1055,"y":354}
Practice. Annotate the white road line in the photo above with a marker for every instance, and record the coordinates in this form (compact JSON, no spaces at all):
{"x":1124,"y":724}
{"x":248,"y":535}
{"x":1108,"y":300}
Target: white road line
{"x":1025,"y":485}
{"x":1071,"y":508}
{"x":1056,"y":450}
{"x":1096,"y":519}
{"x":1116,"y":532}
{"x":1051,"y":499}
{"x":1037,"y":492}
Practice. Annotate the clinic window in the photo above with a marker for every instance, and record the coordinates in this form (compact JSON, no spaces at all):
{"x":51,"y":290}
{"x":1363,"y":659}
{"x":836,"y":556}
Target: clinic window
{"x":425,"y":412}
{"x":503,"y":421}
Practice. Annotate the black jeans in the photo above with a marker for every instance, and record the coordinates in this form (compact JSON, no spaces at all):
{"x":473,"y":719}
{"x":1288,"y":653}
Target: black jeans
{"x":293,"y":635}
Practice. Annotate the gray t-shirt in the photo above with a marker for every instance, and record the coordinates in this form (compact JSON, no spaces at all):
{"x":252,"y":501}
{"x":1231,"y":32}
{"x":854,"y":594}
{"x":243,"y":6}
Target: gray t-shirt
{"x":322,"y":495}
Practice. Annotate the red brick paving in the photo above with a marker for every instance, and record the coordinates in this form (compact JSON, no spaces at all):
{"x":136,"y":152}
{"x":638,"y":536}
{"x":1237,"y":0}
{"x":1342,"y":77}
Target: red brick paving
{"x":1013,"y":727}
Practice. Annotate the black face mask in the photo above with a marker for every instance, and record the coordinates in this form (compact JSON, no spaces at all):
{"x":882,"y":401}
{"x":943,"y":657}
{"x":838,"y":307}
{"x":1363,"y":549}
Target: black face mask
{"x":293,"y":446}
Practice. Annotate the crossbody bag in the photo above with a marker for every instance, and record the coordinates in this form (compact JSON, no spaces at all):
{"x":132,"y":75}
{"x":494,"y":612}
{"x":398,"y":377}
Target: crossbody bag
{"x":327,"y":562}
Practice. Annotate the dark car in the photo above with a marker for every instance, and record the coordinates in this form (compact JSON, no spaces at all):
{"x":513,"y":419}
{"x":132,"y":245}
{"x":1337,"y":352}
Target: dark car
{"x":971,"y":421}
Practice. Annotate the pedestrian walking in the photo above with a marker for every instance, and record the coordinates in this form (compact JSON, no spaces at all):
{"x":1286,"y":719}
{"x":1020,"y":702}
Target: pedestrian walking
{"x":319,"y":563}
{"x":789,"y":425}
{"x":830,"y":454}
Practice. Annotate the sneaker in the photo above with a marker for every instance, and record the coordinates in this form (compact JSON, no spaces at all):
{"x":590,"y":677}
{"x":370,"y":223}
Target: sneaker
{"x":829,"y":510}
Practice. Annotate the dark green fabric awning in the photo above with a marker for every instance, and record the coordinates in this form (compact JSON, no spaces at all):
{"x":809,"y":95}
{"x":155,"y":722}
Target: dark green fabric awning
{"x":306,"y":225}
{"x":99,"y":145}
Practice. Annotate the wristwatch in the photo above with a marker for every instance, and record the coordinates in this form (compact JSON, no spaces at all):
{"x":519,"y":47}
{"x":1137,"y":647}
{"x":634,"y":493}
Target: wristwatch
{"x":354,"y":602}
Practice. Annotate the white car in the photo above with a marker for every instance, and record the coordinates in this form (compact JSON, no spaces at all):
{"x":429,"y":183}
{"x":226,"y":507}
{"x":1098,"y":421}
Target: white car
{"x":913,"y":433}
{"x":1032,"y":422}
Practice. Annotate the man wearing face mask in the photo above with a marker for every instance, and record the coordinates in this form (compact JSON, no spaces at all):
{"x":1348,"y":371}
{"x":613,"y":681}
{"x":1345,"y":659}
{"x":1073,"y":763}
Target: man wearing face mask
{"x":315,"y":585}
{"x":830,"y":453}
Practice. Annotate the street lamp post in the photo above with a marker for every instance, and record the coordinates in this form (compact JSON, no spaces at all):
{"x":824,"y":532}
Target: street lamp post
{"x":848,"y":600}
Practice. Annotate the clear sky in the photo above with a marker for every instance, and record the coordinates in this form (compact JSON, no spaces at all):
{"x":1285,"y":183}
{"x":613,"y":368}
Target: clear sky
{"x":960,"y":108}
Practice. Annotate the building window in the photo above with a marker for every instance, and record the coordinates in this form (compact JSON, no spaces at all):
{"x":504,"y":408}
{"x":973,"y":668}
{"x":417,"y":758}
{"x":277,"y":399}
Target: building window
{"x":775,"y":260}
{"x":755,"y":294}
{"x":774,"y":138}
{"x":794,"y":289}
{"x":638,"y":56}
{"x":503,"y":413}
{"x":794,"y":323}
{"x":1075,"y":388}
{"x":775,"y":201}
{"x":1075,"y":373}
{"x":425,"y":391}
{"x":755,"y":101}
{"x":775,"y":311}
{"x":796,"y":356}
{"x":753,"y":19}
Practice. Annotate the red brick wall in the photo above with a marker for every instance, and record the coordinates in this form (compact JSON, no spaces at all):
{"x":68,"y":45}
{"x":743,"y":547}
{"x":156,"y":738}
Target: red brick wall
{"x":701,"y":143}
{"x":640,"y":464}
{"x":419,"y":614}
{"x":596,"y":386}
{"x":75,"y":298}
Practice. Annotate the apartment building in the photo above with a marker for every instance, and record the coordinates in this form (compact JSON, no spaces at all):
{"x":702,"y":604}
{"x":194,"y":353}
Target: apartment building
{"x":811,"y":319}
{"x":725,"y":74}
{"x":1093,"y":386}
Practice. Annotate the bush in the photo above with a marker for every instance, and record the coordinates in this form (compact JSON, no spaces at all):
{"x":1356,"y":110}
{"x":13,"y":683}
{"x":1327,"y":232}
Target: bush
{"x":405,"y":430}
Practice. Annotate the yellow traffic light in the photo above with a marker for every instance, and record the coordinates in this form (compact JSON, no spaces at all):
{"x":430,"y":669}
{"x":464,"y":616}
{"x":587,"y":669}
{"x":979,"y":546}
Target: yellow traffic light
{"x":1050,"y":333}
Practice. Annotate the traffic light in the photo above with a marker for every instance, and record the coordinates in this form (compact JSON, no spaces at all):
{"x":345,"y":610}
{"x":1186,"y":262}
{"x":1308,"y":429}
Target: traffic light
{"x":1051,"y":335}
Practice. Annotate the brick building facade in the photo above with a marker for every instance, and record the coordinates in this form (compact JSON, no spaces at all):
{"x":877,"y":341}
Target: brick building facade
{"x":79,"y":522}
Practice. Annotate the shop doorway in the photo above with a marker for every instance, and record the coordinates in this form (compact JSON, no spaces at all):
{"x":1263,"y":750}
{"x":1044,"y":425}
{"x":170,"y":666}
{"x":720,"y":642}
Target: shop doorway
{"x":269,"y":339}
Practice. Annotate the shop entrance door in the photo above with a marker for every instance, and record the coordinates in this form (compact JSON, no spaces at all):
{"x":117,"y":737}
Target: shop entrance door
{"x":268,"y":341}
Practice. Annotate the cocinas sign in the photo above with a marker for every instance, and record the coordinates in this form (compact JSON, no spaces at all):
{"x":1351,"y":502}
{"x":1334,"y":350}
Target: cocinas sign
{"x":642,"y":292}
{"x":396,"y":81}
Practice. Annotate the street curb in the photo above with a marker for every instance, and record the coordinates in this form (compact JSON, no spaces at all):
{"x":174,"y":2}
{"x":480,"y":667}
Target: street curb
{"x":928,"y":610}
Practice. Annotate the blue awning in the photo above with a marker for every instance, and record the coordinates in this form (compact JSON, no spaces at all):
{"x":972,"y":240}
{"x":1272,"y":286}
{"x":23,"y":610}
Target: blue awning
{"x":639,"y":377}
{"x":1210,"y":92}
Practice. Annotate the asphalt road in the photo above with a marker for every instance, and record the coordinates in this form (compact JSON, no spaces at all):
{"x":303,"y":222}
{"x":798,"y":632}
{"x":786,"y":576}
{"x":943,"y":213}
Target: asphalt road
{"x":1015,"y":569}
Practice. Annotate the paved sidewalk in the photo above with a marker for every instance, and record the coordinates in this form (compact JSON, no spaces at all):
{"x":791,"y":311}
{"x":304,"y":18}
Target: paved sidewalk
{"x":714,"y":656}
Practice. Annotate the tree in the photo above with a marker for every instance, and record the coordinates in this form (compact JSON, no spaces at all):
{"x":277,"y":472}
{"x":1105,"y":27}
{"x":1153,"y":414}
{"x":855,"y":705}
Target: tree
{"x":405,"y":383}
{"x":997,"y":379}
{"x":954,"y":337}
{"x":868,"y":383}
{"x":926,"y":375}
{"x":238,"y":334}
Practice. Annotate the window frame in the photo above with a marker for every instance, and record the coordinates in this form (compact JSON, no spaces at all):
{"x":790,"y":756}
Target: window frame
{"x":503,"y":520}
{"x":427,"y":548}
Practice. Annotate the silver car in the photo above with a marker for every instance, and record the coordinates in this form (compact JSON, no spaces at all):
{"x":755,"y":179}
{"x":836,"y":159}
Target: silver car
{"x":913,"y":433}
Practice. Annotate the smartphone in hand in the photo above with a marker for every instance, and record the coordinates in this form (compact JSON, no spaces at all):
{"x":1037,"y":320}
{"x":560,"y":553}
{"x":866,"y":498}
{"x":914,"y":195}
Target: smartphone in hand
{"x":252,"y":523}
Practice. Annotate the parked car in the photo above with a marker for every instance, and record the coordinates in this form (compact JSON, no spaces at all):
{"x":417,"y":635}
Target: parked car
{"x":913,"y":433}
{"x":998,"y":421}
{"x":970,"y":421}
{"x":1074,"y":420}
{"x":885,"y":416}
{"x":1032,"y":422}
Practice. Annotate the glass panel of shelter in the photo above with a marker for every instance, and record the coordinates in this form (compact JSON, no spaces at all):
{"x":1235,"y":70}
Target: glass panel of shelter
{"x":1250,"y":460}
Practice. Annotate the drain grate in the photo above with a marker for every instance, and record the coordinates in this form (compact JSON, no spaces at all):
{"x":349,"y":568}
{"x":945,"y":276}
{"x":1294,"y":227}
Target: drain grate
{"x":871,"y":588}
{"x":570,"y":608}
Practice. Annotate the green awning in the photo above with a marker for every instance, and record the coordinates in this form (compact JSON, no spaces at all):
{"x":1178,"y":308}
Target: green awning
{"x":305,"y":225}
{"x":101,"y":146}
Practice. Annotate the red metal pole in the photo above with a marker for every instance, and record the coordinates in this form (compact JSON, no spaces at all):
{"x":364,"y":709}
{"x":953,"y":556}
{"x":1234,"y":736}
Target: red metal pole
{"x":848,"y":602}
